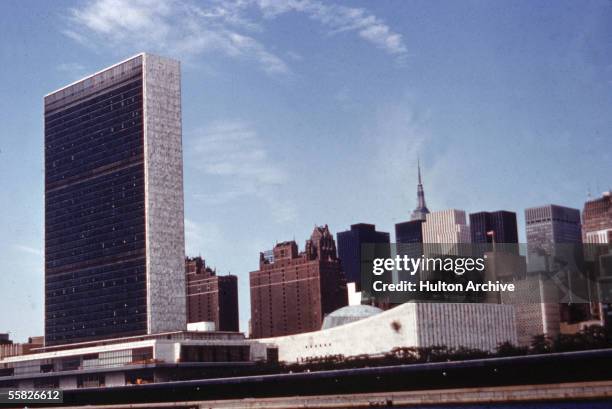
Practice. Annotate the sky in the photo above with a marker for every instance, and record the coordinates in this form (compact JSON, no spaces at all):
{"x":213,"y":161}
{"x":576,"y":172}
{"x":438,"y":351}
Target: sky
{"x":299,"y":113}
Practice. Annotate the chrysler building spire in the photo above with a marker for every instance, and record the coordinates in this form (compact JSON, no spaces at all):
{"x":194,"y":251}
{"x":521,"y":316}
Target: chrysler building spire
{"x":421,"y":209}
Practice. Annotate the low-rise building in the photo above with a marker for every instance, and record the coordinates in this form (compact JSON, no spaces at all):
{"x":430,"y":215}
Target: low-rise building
{"x":133,"y":360}
{"x":478,"y":326}
{"x":9,"y":348}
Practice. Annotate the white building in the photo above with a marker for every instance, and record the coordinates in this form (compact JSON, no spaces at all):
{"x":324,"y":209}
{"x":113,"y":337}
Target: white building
{"x":445,"y":229}
{"x":481,"y":326}
{"x":132,"y":360}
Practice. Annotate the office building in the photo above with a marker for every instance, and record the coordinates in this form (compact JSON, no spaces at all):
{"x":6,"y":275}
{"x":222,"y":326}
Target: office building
{"x":350,"y":244}
{"x":596,"y":234}
{"x":499,"y":226}
{"x":550,"y":230}
{"x":549,"y":225}
{"x":597,"y":220}
{"x":114,"y":234}
{"x":445,"y":231}
{"x":295,"y":292}
{"x":409,"y":232}
{"x":210,"y":297}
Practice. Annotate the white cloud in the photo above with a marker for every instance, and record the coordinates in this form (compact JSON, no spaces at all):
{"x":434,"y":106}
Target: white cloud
{"x":340,"y":19}
{"x":177,"y":28}
{"x":233,"y":150}
{"x":186,"y":29}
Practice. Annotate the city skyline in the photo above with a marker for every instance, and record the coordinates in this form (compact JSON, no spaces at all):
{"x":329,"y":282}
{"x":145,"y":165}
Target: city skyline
{"x":250,"y":198}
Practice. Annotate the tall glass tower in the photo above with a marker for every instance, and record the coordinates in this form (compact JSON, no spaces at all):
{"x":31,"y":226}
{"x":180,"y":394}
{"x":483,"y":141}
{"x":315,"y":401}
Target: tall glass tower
{"x":114,"y":226}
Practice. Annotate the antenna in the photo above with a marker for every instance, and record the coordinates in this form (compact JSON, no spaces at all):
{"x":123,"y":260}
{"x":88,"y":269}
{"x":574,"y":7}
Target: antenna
{"x":589,"y":196}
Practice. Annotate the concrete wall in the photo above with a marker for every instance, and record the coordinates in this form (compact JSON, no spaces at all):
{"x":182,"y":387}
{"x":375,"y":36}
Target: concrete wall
{"x":481,"y":326}
{"x":114,"y":379}
{"x":165,"y":351}
{"x":165,"y":241}
{"x":371,"y":335}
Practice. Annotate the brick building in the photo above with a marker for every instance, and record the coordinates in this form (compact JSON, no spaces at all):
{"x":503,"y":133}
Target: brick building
{"x":210,"y":297}
{"x":597,"y":234}
{"x":293,"y":293}
{"x":597,"y":220}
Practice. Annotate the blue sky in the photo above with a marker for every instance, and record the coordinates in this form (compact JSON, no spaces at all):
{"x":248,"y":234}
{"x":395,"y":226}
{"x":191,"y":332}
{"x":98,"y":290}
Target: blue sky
{"x":306,"y":112}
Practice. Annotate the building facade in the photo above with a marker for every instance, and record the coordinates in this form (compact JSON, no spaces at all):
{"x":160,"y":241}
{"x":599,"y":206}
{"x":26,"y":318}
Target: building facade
{"x":549,"y":225}
{"x":409,"y":232}
{"x":114,"y":234}
{"x":478,"y":326}
{"x":295,"y":292}
{"x":211,"y":298}
{"x":10,"y":348}
{"x":597,"y":220}
{"x":444,"y":230}
{"x":597,"y":232}
{"x":136,"y":360}
{"x":499,"y":226}
{"x":350,"y":249}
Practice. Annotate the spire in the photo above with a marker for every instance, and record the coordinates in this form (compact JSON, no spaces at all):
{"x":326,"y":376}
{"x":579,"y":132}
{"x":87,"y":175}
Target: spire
{"x":421,"y":209}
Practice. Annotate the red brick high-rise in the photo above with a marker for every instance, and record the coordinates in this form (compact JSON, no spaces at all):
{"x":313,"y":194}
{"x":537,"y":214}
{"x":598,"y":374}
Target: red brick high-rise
{"x":294,"y":293}
{"x":597,"y":220}
{"x":597,"y":230}
{"x":211,"y":297}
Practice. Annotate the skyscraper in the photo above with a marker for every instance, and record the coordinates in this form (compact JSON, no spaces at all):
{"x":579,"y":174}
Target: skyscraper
{"x":597,"y":220}
{"x":421,"y":210}
{"x":114,"y":234}
{"x":294,"y":293}
{"x":409,"y":234}
{"x":549,"y":225}
{"x":501,"y":223}
{"x":499,"y":228}
{"x":211,"y":298}
{"x":446,"y":227}
{"x":597,"y":230}
{"x":349,"y":248}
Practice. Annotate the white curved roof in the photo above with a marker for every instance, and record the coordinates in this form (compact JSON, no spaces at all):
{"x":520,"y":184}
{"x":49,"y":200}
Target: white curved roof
{"x":350,"y":313}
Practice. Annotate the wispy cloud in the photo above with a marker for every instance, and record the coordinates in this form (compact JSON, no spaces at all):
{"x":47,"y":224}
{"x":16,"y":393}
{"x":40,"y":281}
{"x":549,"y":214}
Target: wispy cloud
{"x":187,"y":29}
{"x":235,"y":151}
{"x":200,"y":236}
{"x":29,"y":250}
{"x":232,"y":148}
{"x":338,"y":19}
{"x":179,"y":28}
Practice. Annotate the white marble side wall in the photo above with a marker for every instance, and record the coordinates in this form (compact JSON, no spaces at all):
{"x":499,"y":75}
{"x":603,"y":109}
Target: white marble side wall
{"x":166,"y":301}
{"x":480,"y":326}
{"x":373,"y":335}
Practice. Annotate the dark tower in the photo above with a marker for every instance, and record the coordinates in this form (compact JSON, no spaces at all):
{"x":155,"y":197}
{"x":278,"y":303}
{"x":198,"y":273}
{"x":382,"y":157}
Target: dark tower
{"x":349,"y":248}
